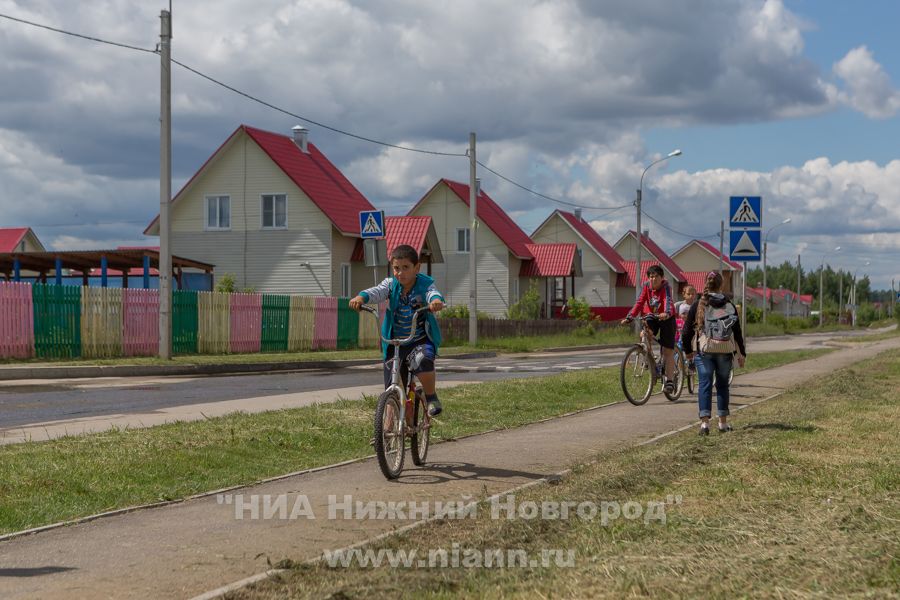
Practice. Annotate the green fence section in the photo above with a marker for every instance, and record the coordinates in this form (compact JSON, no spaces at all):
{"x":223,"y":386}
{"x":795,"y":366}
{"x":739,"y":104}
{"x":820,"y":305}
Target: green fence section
{"x":348,"y":325}
{"x":57,"y":320}
{"x":185,"y":322}
{"x":276,"y":314}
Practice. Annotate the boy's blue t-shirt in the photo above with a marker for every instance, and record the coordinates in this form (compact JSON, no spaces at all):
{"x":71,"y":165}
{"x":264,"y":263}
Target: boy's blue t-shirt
{"x":407,"y":305}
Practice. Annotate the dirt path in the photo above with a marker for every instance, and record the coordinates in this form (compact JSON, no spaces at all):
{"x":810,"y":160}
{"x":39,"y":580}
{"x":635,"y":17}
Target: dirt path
{"x":186,"y":549}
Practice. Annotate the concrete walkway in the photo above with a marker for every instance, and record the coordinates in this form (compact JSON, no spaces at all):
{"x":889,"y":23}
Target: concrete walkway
{"x":186,"y":549}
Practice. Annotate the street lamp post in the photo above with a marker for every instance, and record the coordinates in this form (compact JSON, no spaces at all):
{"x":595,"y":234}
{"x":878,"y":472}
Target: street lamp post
{"x":637,"y":204}
{"x":821,"y":272}
{"x":765,"y":252}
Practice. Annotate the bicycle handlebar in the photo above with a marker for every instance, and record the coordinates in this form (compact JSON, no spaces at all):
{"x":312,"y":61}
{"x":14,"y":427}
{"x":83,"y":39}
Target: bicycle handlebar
{"x":397,"y":341}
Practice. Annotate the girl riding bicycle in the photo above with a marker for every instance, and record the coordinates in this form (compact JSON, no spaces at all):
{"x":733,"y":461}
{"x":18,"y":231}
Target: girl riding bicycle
{"x":407,"y":291}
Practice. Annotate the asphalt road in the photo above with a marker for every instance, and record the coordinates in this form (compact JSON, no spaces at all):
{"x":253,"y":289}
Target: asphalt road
{"x":41,"y":401}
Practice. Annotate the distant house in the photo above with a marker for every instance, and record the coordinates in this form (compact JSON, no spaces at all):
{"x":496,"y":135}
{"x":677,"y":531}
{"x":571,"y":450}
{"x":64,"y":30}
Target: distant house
{"x":780,"y":301}
{"x":697,"y":258}
{"x":505,"y":261}
{"x":651,"y":253}
{"x":19,"y":239}
{"x":274,"y":212}
{"x":601,"y":265}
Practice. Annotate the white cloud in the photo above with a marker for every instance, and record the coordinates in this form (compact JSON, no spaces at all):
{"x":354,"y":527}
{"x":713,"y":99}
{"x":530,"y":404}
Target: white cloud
{"x":869,"y":87}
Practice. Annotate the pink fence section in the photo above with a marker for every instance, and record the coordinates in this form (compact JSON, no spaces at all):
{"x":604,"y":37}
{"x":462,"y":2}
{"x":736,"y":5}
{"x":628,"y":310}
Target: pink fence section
{"x":16,"y":320}
{"x":325,"y":333}
{"x":246,"y":322}
{"x":140,"y":322}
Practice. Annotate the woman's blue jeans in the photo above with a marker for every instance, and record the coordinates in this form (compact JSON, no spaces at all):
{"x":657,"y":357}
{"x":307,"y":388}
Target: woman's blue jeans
{"x":707,"y":364}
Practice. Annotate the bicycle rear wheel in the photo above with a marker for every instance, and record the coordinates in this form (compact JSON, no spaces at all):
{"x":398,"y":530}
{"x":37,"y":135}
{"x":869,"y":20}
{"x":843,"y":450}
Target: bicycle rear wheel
{"x":637,"y":375}
{"x":421,"y":437}
{"x":677,"y":376}
{"x":389,"y":434}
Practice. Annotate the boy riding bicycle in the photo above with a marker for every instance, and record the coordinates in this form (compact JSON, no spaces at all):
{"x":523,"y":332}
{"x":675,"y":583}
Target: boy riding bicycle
{"x":407,"y":291}
{"x":656,"y":299}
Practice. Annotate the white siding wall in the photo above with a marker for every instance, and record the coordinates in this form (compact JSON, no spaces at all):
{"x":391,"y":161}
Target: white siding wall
{"x":268,"y":260}
{"x":596,"y":272}
{"x":449,"y":213}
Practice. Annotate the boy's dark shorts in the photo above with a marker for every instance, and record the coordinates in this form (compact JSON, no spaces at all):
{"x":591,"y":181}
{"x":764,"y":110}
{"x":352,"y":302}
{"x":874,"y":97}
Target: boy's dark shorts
{"x":425,"y":359}
{"x":665,"y":330}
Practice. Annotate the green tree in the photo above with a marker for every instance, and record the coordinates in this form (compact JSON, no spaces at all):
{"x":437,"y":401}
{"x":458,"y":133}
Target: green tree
{"x":226,"y":283}
{"x":579,"y":309}
{"x":528,"y":306}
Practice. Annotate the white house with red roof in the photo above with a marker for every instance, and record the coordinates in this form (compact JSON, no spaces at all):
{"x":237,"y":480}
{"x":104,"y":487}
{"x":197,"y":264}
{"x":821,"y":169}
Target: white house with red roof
{"x":273,"y":211}
{"x":697,"y":258}
{"x":651,"y":253}
{"x":601,"y":265}
{"x":506,"y":257}
{"x":19,"y":239}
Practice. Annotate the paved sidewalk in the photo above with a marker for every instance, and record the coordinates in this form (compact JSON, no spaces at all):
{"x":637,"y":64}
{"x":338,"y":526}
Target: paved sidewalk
{"x":186,"y":549}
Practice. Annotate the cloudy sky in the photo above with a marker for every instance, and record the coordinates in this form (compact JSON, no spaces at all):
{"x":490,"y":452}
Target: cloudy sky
{"x":796,"y":101}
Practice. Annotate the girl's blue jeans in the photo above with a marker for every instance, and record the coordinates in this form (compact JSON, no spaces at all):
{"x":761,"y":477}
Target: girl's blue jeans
{"x":707,"y":364}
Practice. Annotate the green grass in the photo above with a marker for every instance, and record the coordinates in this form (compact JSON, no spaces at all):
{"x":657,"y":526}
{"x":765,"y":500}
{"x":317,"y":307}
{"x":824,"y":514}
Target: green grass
{"x":800,"y":501}
{"x":45,"y":482}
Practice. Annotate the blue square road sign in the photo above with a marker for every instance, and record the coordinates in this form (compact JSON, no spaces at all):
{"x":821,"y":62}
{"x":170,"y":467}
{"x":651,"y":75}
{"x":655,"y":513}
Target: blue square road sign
{"x":745,"y":245}
{"x":745,"y":211}
{"x":371,"y":224}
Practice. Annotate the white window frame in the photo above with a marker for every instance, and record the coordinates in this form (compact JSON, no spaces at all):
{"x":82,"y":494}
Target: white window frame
{"x":468,"y":240}
{"x":262,"y":211}
{"x":346,"y":280}
{"x":218,"y":198}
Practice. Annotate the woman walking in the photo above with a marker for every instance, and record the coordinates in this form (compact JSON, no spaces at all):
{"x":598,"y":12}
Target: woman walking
{"x":713,"y":329}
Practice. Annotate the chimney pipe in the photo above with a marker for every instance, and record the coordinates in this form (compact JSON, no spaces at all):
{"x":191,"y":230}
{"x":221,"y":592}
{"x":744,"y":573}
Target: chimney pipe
{"x":300,"y":137}
{"x":578,"y":214}
{"x":477,"y":187}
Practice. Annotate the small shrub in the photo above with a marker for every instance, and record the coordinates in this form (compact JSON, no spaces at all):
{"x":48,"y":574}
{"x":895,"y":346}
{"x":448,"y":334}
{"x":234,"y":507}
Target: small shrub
{"x":226,"y":283}
{"x":579,"y":309}
{"x":528,"y":306}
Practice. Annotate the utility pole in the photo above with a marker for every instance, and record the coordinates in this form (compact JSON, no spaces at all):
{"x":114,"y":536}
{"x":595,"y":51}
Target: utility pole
{"x":798,"y":280}
{"x":165,"y":186}
{"x":473,"y":263}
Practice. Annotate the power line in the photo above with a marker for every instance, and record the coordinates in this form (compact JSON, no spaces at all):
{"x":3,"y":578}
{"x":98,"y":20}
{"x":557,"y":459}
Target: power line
{"x":78,"y":35}
{"x":675,"y":231}
{"x":307,"y":120}
{"x":545,"y":197}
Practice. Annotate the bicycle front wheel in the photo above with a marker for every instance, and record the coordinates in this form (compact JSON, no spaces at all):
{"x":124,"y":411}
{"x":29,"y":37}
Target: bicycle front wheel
{"x":678,"y":375}
{"x":389,"y":434}
{"x":636,"y":375}
{"x":421,"y":436}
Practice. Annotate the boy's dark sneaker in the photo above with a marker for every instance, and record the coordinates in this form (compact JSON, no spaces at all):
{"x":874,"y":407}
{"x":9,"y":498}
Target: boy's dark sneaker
{"x":434,"y":408}
{"x":704,"y":430}
{"x":726,"y":428}
{"x":669,"y":386}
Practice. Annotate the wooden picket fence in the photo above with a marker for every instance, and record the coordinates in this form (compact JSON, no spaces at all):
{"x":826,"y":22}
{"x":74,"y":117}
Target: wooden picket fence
{"x":16,"y":321}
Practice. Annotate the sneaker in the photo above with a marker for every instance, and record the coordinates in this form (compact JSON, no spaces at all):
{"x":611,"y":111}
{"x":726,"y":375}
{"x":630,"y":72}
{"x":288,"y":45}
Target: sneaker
{"x":704,"y":430}
{"x":434,"y":408}
{"x":669,"y":387}
{"x":726,"y":429}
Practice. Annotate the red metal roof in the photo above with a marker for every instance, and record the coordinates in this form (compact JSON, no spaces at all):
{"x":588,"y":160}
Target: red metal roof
{"x":495,"y":218}
{"x":11,"y":237}
{"x":696,"y":279}
{"x":399,"y":231}
{"x":626,"y":279}
{"x":593,"y":238}
{"x":715,"y":252}
{"x":758,"y":292}
{"x":664,"y":259}
{"x":806,"y":298}
{"x":550,"y":260}
{"x":312,"y":172}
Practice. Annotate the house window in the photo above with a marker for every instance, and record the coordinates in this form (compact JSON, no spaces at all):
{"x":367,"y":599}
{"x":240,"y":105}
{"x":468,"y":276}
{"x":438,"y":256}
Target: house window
{"x":274,"y":211}
{"x":345,"y":280}
{"x":462,"y":240}
{"x":515,"y":295}
{"x":218,"y":212}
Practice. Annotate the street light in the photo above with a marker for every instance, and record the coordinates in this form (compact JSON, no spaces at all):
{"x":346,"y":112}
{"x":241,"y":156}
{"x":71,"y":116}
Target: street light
{"x":821,"y":271}
{"x":853,"y":302}
{"x":637,"y":203}
{"x":765,"y":252}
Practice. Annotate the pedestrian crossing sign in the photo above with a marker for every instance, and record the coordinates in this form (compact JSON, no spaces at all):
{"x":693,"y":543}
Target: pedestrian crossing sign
{"x":745,"y":245}
{"x":371,"y":223}
{"x":745,"y":211}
